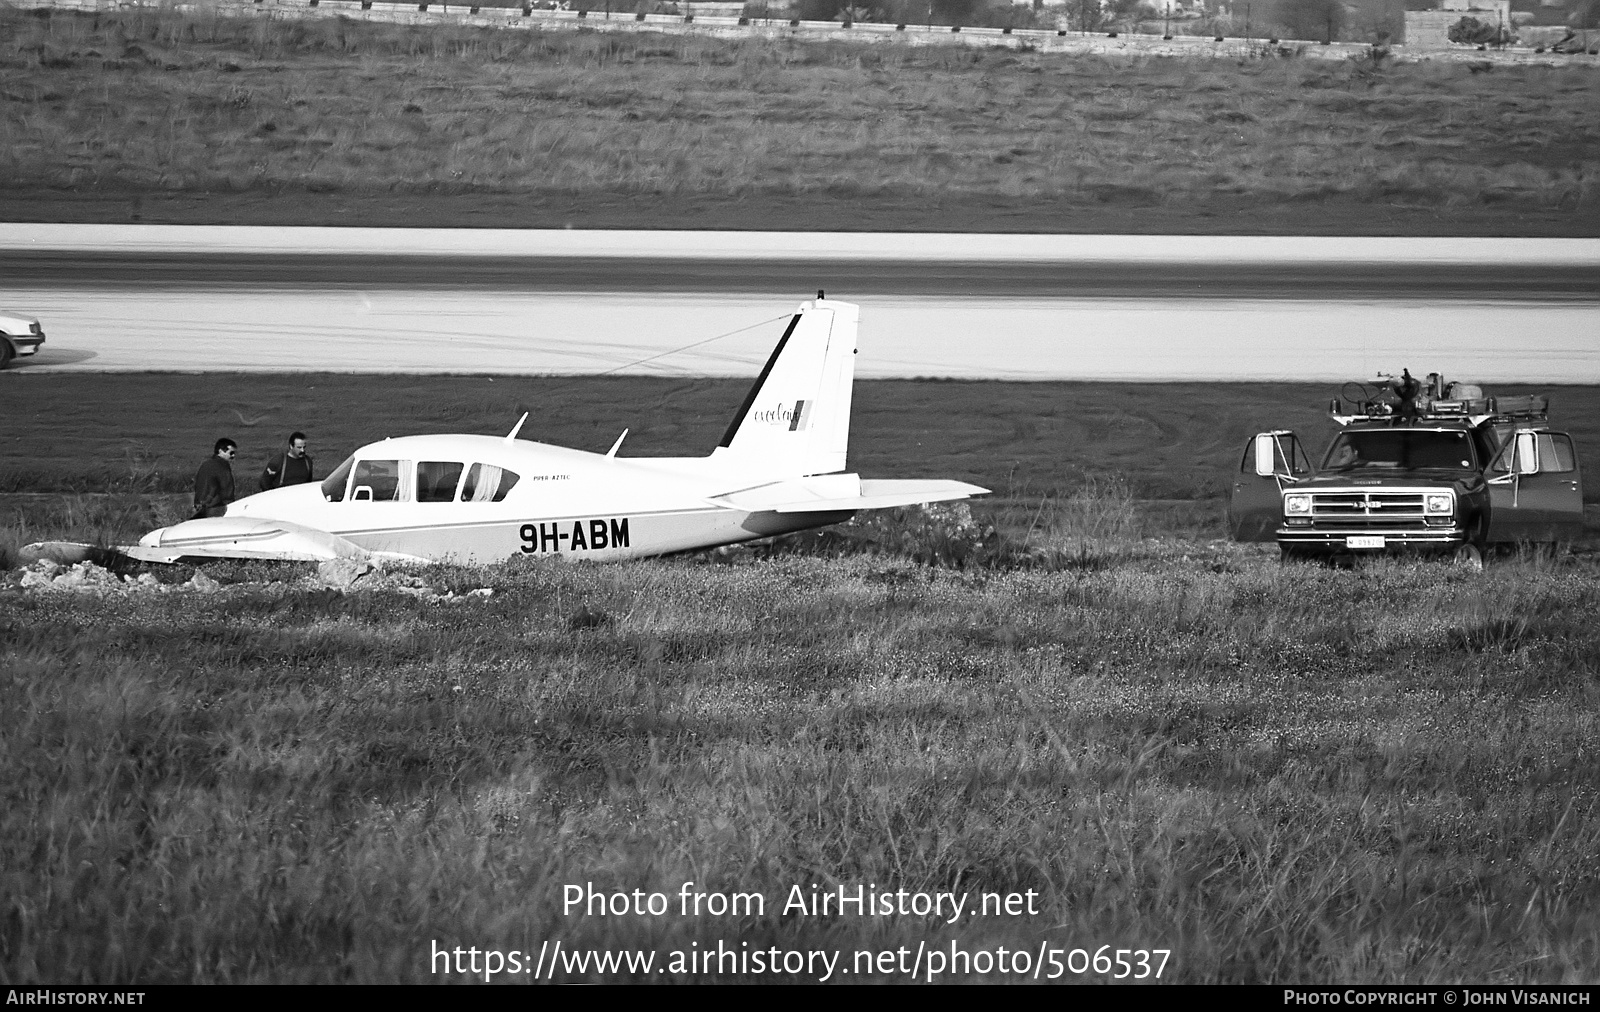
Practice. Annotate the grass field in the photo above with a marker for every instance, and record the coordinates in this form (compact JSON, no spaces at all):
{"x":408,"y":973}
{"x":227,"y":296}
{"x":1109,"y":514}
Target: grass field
{"x":1279,"y":773}
{"x":147,"y":432}
{"x":151,"y":115}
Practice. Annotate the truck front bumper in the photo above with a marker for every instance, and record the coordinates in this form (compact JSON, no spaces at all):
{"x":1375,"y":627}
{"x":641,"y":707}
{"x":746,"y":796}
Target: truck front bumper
{"x":1367,"y":540}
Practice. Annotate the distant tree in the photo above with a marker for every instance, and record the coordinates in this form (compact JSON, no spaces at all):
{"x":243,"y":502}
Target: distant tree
{"x":1472,"y":32}
{"x":1015,"y":16}
{"x":1084,"y":15}
{"x":1375,"y":21}
{"x":1128,"y":13}
{"x":956,"y":12}
{"x":939,"y":12}
{"x":1310,"y":19}
{"x":818,"y":10}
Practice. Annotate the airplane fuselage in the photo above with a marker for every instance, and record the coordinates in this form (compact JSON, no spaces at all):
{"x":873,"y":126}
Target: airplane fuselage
{"x":426,"y":497}
{"x":780,"y":467}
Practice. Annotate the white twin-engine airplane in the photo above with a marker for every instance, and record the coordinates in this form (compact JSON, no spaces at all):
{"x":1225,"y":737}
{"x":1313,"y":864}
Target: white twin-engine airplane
{"x":478,"y":499}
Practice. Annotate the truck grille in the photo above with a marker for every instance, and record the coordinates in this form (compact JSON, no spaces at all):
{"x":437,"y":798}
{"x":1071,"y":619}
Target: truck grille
{"x":1367,"y":511}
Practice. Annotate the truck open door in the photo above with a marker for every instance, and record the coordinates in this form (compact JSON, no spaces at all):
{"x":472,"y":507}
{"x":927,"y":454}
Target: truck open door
{"x":1255,"y":501}
{"x":1535,"y":491}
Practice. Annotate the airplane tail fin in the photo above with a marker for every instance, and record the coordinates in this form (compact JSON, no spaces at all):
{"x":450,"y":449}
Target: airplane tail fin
{"x":796,"y":418}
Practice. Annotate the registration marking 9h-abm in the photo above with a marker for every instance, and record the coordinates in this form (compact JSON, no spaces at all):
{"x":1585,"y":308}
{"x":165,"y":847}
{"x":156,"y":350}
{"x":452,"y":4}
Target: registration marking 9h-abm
{"x":575,"y":535}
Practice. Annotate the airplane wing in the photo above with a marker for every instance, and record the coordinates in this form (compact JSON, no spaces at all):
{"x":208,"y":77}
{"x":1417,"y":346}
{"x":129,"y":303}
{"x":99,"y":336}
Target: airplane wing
{"x":830,"y":492}
{"x":243,"y":538}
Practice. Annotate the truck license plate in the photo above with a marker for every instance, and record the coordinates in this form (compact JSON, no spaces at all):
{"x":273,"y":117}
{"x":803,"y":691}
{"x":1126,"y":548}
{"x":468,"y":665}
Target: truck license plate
{"x":1364,"y":541}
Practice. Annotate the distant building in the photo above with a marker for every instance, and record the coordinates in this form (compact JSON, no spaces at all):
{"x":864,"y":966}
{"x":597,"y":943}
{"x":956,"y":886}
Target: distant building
{"x":1431,"y":29}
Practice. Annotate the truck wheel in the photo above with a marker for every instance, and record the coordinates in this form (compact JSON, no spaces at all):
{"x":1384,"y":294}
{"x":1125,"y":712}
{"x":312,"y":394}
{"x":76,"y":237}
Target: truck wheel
{"x":1468,"y":557}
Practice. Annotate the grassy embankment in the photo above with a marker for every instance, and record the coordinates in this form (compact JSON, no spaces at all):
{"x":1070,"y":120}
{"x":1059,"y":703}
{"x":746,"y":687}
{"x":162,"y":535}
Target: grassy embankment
{"x":155,"y":116}
{"x":1280,"y":773}
{"x":147,"y":432}
{"x":1172,"y":446}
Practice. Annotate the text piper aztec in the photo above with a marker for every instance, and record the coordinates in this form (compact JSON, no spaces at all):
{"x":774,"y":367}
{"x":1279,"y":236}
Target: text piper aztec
{"x":477,"y":499}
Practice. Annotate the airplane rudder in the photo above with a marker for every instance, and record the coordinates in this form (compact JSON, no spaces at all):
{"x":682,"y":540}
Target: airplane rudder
{"x":797,"y":411}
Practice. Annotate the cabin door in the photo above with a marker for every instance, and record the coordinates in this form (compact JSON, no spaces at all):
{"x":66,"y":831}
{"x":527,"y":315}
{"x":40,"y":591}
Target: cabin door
{"x":1535,"y":491}
{"x":1255,"y":499}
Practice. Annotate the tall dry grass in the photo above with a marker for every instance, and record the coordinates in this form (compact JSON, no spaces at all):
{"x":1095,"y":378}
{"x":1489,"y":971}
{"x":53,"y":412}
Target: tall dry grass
{"x":1280,"y":773}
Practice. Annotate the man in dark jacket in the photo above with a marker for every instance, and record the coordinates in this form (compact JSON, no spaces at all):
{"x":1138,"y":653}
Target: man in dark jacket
{"x":292,"y":467}
{"x":213,"y":483}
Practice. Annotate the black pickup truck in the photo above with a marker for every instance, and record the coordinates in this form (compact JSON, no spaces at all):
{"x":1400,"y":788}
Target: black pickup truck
{"x":1447,"y":471}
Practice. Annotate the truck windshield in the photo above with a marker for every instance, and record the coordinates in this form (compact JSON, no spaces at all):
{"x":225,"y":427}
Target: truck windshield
{"x":1399,"y":449}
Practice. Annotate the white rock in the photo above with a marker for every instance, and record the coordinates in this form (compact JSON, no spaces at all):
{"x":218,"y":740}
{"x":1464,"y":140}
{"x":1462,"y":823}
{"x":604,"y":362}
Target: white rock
{"x":342,"y":573}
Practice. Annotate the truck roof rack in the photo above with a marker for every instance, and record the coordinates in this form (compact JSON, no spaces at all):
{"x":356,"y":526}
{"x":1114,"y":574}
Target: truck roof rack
{"x":1437,"y":402}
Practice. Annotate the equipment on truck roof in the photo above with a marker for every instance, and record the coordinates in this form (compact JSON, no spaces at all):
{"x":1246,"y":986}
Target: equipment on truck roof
{"x":1436,"y":401}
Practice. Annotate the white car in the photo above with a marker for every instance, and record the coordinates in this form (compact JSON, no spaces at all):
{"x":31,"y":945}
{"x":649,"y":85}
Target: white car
{"x":19,"y":335}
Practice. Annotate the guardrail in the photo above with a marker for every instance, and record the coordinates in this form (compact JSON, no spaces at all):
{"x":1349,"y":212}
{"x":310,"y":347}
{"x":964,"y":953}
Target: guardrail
{"x":1043,"y":40}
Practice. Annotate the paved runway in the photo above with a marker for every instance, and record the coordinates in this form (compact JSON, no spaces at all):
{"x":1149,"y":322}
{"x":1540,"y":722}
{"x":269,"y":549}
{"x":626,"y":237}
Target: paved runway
{"x":385,"y":330}
{"x":129,"y":298}
{"x":853,"y":264}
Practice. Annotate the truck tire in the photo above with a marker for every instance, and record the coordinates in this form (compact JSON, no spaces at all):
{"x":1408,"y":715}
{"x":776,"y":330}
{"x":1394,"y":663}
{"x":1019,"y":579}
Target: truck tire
{"x":1468,"y":556}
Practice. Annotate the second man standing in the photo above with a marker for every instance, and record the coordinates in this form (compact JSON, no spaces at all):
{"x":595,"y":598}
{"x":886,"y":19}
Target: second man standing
{"x":292,"y":467}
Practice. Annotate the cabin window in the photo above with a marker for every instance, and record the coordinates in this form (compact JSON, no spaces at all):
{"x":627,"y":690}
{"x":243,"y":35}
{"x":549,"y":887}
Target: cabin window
{"x":1554,"y":450}
{"x":1502,"y":460}
{"x":333,"y":485}
{"x":436,"y":480}
{"x":376,"y":480}
{"x":487,"y":483}
{"x":1281,"y":445}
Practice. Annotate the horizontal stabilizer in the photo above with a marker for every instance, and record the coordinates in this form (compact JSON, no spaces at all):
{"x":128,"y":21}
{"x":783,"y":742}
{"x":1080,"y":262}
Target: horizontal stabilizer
{"x":243,"y":538}
{"x":831,"y":492}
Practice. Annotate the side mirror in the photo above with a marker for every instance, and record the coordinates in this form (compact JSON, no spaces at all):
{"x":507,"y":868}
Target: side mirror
{"x":1527,"y":458}
{"x":1266,"y":454}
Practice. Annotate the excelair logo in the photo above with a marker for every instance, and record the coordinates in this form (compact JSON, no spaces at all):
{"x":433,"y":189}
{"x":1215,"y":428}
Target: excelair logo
{"x":795,"y":418}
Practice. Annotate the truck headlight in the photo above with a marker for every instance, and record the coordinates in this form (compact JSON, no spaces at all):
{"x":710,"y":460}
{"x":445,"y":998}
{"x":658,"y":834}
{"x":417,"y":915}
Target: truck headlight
{"x":1297,"y":505}
{"x":1439,"y":503}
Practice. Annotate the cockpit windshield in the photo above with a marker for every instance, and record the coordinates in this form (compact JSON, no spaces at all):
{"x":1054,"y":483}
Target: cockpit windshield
{"x":1400,"y":449}
{"x":333,"y":485}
